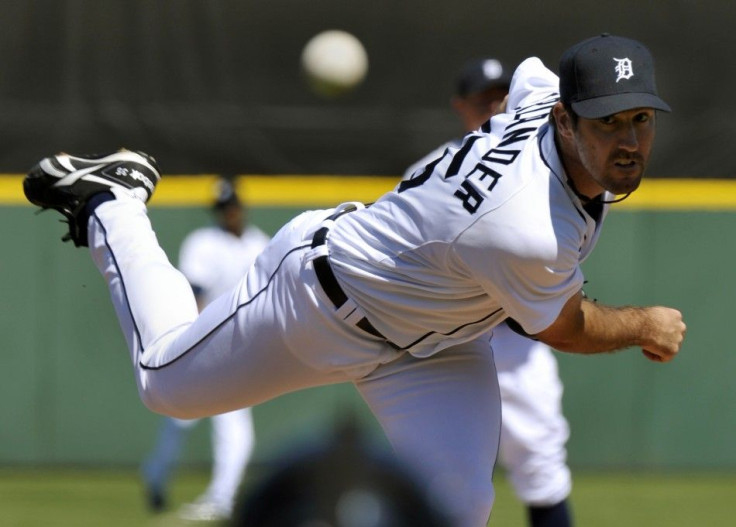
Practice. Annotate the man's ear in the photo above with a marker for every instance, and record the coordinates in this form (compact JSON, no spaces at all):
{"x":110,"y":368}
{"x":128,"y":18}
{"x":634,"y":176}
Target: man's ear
{"x":563,"y":120}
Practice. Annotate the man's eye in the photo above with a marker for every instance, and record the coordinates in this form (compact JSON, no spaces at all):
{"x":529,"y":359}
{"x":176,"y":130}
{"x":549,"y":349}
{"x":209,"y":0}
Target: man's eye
{"x":606,"y":120}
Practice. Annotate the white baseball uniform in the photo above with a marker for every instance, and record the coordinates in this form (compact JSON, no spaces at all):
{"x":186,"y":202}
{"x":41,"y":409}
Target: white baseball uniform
{"x":398,"y":298}
{"x":534,"y":430}
{"x":213,"y":260}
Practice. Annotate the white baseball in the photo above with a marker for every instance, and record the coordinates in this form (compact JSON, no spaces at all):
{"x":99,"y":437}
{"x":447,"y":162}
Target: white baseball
{"x":334,"y":62}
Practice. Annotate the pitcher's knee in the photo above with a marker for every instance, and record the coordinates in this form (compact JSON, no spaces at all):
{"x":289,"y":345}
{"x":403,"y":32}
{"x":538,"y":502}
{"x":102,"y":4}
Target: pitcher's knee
{"x":166,"y":401}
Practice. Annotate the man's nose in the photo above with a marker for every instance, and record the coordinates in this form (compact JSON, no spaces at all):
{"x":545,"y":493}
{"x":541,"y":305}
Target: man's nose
{"x":628,"y":138}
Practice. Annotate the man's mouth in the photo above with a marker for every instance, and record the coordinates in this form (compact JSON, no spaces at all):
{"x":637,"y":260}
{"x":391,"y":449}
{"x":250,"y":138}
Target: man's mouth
{"x":627,"y":163}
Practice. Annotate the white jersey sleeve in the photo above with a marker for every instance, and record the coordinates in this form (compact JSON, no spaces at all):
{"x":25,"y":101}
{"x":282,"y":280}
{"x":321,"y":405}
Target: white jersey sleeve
{"x":526,"y":253}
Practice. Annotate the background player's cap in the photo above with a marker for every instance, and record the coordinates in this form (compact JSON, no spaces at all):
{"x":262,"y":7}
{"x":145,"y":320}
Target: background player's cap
{"x":225,"y":194}
{"x":480,"y":75}
{"x":607,"y":74}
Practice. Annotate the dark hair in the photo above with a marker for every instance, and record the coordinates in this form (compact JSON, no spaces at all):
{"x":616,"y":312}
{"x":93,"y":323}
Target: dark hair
{"x":225,"y":194}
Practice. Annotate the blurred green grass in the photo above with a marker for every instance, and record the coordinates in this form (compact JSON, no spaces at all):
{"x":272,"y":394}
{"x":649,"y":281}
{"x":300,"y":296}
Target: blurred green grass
{"x":115,"y":498}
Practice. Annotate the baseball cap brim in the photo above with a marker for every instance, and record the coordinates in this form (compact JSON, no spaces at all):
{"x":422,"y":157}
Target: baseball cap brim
{"x":606,"y":105}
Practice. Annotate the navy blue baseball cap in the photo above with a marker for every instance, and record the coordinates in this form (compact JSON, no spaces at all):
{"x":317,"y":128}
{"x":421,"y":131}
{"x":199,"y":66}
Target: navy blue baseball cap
{"x":606,"y":74}
{"x":479,"y":75}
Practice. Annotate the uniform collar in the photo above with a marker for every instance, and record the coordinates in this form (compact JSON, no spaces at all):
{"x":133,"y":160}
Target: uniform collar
{"x":551,"y":157}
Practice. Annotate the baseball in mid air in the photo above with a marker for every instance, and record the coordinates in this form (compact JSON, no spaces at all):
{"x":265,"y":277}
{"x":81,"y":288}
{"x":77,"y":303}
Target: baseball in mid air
{"x":334,"y":62}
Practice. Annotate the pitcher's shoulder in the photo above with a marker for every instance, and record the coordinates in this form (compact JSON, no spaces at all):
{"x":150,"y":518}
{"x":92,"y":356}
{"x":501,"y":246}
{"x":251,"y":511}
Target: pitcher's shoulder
{"x":531,"y":81}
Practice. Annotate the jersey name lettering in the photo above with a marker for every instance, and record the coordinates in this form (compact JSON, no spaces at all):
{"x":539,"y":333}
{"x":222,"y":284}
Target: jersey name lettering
{"x":470,"y":193}
{"x":533,"y":112}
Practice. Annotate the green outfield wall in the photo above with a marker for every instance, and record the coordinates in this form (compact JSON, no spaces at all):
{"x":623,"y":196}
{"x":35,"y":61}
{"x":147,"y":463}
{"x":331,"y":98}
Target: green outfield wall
{"x":68,"y":395}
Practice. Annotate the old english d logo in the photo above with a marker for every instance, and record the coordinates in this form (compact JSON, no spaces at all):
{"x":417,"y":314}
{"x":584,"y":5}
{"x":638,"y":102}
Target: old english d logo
{"x":624,"y":69}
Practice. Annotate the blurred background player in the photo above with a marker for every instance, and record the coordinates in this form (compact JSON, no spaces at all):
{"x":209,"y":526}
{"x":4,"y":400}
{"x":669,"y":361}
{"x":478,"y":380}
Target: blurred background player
{"x":213,"y":259}
{"x":534,"y":430}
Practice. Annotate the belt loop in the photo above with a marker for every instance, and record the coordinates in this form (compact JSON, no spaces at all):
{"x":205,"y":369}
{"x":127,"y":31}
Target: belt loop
{"x":319,"y":237}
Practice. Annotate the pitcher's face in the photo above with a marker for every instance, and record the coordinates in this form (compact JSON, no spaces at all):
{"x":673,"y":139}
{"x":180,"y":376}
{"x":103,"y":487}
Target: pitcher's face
{"x":615,"y":150}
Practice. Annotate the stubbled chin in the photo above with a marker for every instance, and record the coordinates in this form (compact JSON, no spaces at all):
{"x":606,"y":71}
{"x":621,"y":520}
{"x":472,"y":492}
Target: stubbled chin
{"x":625,"y":186}
{"x":625,"y":180}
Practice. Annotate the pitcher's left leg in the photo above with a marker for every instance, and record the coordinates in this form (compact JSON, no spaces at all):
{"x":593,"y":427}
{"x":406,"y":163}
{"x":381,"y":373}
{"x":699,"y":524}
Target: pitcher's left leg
{"x":442,"y":415}
{"x":231,"y":355}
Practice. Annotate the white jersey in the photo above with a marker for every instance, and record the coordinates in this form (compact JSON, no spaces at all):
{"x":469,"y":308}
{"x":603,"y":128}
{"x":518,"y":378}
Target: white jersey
{"x":214,"y":260}
{"x":505,"y":240}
